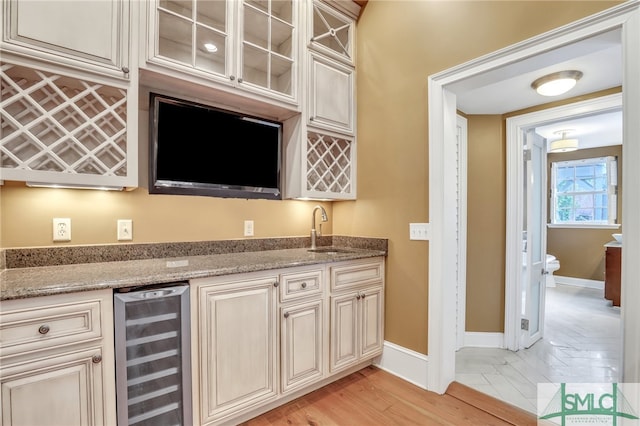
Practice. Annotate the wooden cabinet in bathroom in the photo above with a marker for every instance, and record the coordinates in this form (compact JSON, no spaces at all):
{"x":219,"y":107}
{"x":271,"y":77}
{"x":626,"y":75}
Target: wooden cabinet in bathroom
{"x":613,"y":263}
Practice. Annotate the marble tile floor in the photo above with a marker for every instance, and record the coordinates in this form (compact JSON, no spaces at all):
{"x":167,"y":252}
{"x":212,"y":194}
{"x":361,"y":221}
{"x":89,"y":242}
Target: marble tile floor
{"x":581,"y":344}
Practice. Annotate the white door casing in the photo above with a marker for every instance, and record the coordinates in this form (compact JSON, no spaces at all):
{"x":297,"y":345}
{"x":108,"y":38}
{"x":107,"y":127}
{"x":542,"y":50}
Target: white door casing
{"x":443,"y":246}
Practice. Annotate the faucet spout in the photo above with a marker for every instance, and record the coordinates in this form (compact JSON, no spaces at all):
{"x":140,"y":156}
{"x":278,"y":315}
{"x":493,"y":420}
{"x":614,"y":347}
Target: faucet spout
{"x":314,"y":233}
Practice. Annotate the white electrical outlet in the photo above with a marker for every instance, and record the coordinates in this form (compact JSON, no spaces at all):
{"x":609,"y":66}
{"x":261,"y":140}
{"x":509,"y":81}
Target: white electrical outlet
{"x":125,"y":230}
{"x":248,"y":228}
{"x":418,"y":231}
{"x":61,"y":229}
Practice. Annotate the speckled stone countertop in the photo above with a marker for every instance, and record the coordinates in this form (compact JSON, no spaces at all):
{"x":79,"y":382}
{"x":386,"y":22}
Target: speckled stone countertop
{"x":47,"y":280}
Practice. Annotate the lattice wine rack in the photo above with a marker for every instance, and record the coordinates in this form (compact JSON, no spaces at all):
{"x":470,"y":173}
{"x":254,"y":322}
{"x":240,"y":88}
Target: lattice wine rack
{"x":329,"y":164}
{"x":60,"y":129}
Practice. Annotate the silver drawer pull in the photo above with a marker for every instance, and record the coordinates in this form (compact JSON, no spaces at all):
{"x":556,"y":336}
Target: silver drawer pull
{"x":96,"y":359}
{"x":303,"y":285}
{"x":44,"y":329}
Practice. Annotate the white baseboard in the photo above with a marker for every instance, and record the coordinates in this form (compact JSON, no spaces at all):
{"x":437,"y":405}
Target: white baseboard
{"x":404,"y":363}
{"x":483,"y":340}
{"x":579,"y":282}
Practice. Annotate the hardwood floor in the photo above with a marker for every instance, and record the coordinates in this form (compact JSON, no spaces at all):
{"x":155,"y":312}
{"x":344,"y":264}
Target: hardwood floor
{"x":374,"y":397}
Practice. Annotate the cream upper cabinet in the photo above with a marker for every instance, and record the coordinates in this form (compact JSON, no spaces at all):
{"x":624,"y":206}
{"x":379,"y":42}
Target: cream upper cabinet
{"x":331,"y":95}
{"x":251,"y":45}
{"x":83,"y":136}
{"x":91,"y":35}
{"x":235,"y":364}
{"x":331,"y":32}
{"x":321,"y":149}
{"x":57,"y":360}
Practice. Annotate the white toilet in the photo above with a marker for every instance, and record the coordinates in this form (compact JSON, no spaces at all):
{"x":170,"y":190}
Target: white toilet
{"x":553,"y":265}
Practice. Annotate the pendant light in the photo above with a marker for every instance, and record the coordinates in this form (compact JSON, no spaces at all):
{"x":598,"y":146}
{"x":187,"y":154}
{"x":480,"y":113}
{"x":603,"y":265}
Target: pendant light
{"x":563,"y":144}
{"x":557,"y":83}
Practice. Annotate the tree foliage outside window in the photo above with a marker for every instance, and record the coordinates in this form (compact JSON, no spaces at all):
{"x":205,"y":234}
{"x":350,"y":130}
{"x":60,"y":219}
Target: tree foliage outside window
{"x":584,"y":191}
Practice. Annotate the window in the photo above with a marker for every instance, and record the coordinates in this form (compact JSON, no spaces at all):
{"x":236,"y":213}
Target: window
{"x":584,"y":192}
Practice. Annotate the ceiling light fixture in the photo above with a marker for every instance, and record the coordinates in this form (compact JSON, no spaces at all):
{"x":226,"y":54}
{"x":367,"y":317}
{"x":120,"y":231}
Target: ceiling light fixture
{"x":563,"y":144}
{"x":210,"y":47}
{"x":557,"y":83}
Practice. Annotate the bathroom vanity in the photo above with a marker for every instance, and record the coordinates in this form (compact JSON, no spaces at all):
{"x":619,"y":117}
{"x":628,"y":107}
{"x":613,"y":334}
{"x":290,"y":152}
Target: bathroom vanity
{"x":613,"y":263}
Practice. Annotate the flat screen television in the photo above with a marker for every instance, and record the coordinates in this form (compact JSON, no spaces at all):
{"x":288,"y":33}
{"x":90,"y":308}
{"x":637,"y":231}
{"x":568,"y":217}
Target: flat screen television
{"x":197,"y":149}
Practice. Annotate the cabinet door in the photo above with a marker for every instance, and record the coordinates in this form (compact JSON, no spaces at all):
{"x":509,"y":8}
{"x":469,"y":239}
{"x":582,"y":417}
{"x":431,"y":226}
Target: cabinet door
{"x":91,"y":33}
{"x":268,"y":48}
{"x":332,"y":33}
{"x":193,"y":35}
{"x":371,"y":322}
{"x":301,"y":340}
{"x":237,"y":346}
{"x":331,"y":97}
{"x":65,"y":389}
{"x":344,"y":331}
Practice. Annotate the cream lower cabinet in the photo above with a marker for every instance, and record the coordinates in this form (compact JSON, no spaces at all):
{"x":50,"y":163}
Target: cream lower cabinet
{"x":264,"y":338}
{"x":357,"y":312}
{"x":237,"y":352}
{"x":57,"y":360}
{"x":303,"y":337}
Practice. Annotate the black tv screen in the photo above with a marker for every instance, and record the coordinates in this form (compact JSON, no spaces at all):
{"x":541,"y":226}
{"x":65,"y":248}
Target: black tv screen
{"x":197,"y":149}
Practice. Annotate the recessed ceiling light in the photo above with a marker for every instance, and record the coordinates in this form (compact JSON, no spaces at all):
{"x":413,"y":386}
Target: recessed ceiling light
{"x":210,"y":47}
{"x":557,"y":83}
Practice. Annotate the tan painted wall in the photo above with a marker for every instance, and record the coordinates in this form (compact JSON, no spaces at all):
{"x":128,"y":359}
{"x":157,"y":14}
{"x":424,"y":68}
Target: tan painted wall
{"x":581,"y":251}
{"x":486,"y":223}
{"x":400,"y":43}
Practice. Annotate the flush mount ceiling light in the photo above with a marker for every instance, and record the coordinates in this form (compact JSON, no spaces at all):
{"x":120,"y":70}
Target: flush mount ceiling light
{"x":557,"y":83}
{"x":210,"y":47}
{"x":563,"y":144}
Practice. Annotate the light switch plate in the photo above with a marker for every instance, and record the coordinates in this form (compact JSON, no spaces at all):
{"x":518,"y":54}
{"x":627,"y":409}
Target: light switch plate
{"x":419,"y":231}
{"x":248,"y":228}
{"x":125,"y":230}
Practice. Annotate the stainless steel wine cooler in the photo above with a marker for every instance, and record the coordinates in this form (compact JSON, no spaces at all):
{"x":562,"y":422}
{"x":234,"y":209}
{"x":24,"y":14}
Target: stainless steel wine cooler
{"x":153,"y":359}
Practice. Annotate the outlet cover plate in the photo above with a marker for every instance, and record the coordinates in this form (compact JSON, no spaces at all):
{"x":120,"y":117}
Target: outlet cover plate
{"x":248,"y":228}
{"x":61,"y":229}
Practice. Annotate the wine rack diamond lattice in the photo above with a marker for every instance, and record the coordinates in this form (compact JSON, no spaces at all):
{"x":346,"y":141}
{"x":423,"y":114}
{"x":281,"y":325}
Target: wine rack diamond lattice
{"x":54,"y":123}
{"x":329,"y":163}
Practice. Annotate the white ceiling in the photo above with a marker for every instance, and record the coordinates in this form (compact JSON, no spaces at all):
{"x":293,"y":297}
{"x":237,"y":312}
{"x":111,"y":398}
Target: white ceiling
{"x":508,"y":88}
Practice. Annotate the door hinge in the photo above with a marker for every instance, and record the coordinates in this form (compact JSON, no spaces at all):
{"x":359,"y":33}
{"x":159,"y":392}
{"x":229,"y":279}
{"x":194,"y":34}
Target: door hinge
{"x":527,"y":154}
{"x":524,"y":324}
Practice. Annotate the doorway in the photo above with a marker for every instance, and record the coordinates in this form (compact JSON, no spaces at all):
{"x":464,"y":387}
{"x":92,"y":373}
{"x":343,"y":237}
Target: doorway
{"x":443,"y":245}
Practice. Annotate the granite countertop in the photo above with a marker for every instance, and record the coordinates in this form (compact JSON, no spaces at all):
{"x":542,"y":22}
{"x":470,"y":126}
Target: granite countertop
{"x":613,"y":243}
{"x":47,"y":280}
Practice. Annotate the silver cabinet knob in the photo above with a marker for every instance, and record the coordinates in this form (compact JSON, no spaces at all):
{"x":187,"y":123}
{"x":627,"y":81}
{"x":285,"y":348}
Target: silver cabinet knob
{"x":232,"y":77}
{"x":303,"y":285}
{"x":240,"y":80}
{"x":44,"y":329}
{"x":276,"y":284}
{"x":125,"y":70}
{"x":286,"y":314}
{"x":358,"y":296}
{"x":363,"y":295}
{"x":96,"y":359}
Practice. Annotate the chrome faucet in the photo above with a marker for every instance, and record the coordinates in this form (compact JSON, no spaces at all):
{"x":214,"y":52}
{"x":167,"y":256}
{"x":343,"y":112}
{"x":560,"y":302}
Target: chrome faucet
{"x":314,"y":233}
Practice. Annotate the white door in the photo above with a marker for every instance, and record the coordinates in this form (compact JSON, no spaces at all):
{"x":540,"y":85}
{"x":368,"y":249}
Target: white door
{"x":535,"y":247}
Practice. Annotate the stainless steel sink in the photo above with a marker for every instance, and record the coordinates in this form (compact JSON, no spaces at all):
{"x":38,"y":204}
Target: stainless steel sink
{"x":330,"y":250}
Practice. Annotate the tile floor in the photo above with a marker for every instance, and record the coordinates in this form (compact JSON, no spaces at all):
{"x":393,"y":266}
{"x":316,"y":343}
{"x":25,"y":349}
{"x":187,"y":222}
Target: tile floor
{"x":582,"y":343}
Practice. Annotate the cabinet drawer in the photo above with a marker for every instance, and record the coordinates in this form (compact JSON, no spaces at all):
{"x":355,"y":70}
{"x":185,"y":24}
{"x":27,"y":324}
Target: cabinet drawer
{"x":355,"y":274}
{"x":300,"y":284}
{"x":32,"y":324}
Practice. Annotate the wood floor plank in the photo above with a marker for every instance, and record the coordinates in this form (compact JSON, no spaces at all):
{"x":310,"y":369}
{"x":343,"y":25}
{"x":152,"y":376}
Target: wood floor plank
{"x":374,"y":397}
